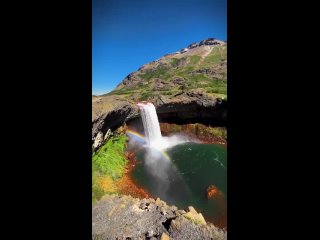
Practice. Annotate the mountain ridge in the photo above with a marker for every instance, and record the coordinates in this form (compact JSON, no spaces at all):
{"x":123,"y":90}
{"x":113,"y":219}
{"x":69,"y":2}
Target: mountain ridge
{"x":192,"y":56}
{"x":200,"y":69}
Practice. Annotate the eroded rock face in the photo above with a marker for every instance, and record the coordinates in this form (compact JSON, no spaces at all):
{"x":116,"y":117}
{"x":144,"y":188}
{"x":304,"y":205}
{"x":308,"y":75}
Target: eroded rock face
{"x":191,"y":107}
{"x":158,"y":84}
{"x":131,"y":80}
{"x":124,"y":217}
{"x":114,"y":118}
{"x":183,"y":108}
{"x":218,"y":72}
{"x":209,"y":41}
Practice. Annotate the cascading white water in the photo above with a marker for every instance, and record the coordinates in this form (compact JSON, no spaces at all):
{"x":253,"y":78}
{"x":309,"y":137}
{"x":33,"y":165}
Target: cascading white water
{"x":151,"y":124}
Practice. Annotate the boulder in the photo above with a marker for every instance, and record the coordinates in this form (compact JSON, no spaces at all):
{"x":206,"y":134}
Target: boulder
{"x":98,"y":141}
{"x":212,"y":192}
{"x":195,"y":217}
{"x":164,"y":236}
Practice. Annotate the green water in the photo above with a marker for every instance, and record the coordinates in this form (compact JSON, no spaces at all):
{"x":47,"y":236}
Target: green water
{"x":183,"y":180}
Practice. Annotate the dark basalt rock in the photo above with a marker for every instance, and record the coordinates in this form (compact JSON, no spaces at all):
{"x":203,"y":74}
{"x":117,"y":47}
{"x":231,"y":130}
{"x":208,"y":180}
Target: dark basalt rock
{"x":192,"y":107}
{"x":202,"y":71}
{"x":193,"y":45}
{"x":178,"y":81}
{"x":158,"y":84}
{"x":218,"y":72}
{"x":209,"y":41}
{"x":113,"y":119}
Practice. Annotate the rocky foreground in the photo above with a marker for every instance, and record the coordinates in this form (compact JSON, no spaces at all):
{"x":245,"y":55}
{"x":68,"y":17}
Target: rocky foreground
{"x":128,"y":218}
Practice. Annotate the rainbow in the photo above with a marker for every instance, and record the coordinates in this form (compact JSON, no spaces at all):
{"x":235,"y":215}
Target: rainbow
{"x":165,"y":154}
{"x":137,"y":135}
{"x":141,"y":138}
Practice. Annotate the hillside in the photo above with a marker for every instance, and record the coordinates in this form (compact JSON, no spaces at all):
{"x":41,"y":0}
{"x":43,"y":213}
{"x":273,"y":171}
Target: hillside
{"x":200,"y":67}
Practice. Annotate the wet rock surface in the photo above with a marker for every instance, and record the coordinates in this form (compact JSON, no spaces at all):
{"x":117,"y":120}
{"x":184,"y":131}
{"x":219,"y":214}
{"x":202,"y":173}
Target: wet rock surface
{"x":124,"y":217}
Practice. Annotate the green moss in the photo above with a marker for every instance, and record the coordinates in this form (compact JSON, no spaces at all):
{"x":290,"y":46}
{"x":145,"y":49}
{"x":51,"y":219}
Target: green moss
{"x":218,"y":132}
{"x":108,"y":161}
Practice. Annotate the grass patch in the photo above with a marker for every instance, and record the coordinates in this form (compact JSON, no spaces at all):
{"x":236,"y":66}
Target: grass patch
{"x":217,"y":86}
{"x":216,"y":56}
{"x":194,"y":59}
{"x":160,"y":72}
{"x":108,"y":164}
{"x":110,"y":159}
{"x":218,"y":90}
{"x":199,"y":77}
{"x":129,"y":90}
{"x":218,"y":132}
{"x":146,"y":95}
{"x":175,"y":62}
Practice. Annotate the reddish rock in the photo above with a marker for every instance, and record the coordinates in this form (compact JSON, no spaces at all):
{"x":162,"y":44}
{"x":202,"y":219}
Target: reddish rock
{"x":212,"y":192}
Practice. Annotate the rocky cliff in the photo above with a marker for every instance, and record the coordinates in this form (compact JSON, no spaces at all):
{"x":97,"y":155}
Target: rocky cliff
{"x":187,"y":86}
{"x":187,"y":107}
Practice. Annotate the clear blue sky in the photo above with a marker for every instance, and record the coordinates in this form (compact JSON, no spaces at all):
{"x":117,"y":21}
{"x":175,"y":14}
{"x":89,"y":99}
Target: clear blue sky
{"x":127,"y":34}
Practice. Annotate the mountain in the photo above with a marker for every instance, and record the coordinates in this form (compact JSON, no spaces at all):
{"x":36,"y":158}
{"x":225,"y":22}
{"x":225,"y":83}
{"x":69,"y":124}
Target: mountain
{"x":200,"y":68}
{"x":201,"y":65}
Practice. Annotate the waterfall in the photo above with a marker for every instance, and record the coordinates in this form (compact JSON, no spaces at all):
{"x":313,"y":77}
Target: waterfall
{"x":150,"y":124}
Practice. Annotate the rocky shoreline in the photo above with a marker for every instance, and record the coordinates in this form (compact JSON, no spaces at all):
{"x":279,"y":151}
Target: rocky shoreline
{"x":128,"y":218}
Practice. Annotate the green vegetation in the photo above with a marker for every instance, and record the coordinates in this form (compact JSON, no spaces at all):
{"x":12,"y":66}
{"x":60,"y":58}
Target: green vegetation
{"x":110,"y":160}
{"x":217,"y":86}
{"x":218,"y":132}
{"x":194,"y":59}
{"x":175,"y":62}
{"x":131,"y":90}
{"x":203,"y":130}
{"x":199,"y":77}
{"x":160,"y":72}
{"x":145,"y":95}
{"x":108,"y":164}
{"x":189,"y":68}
